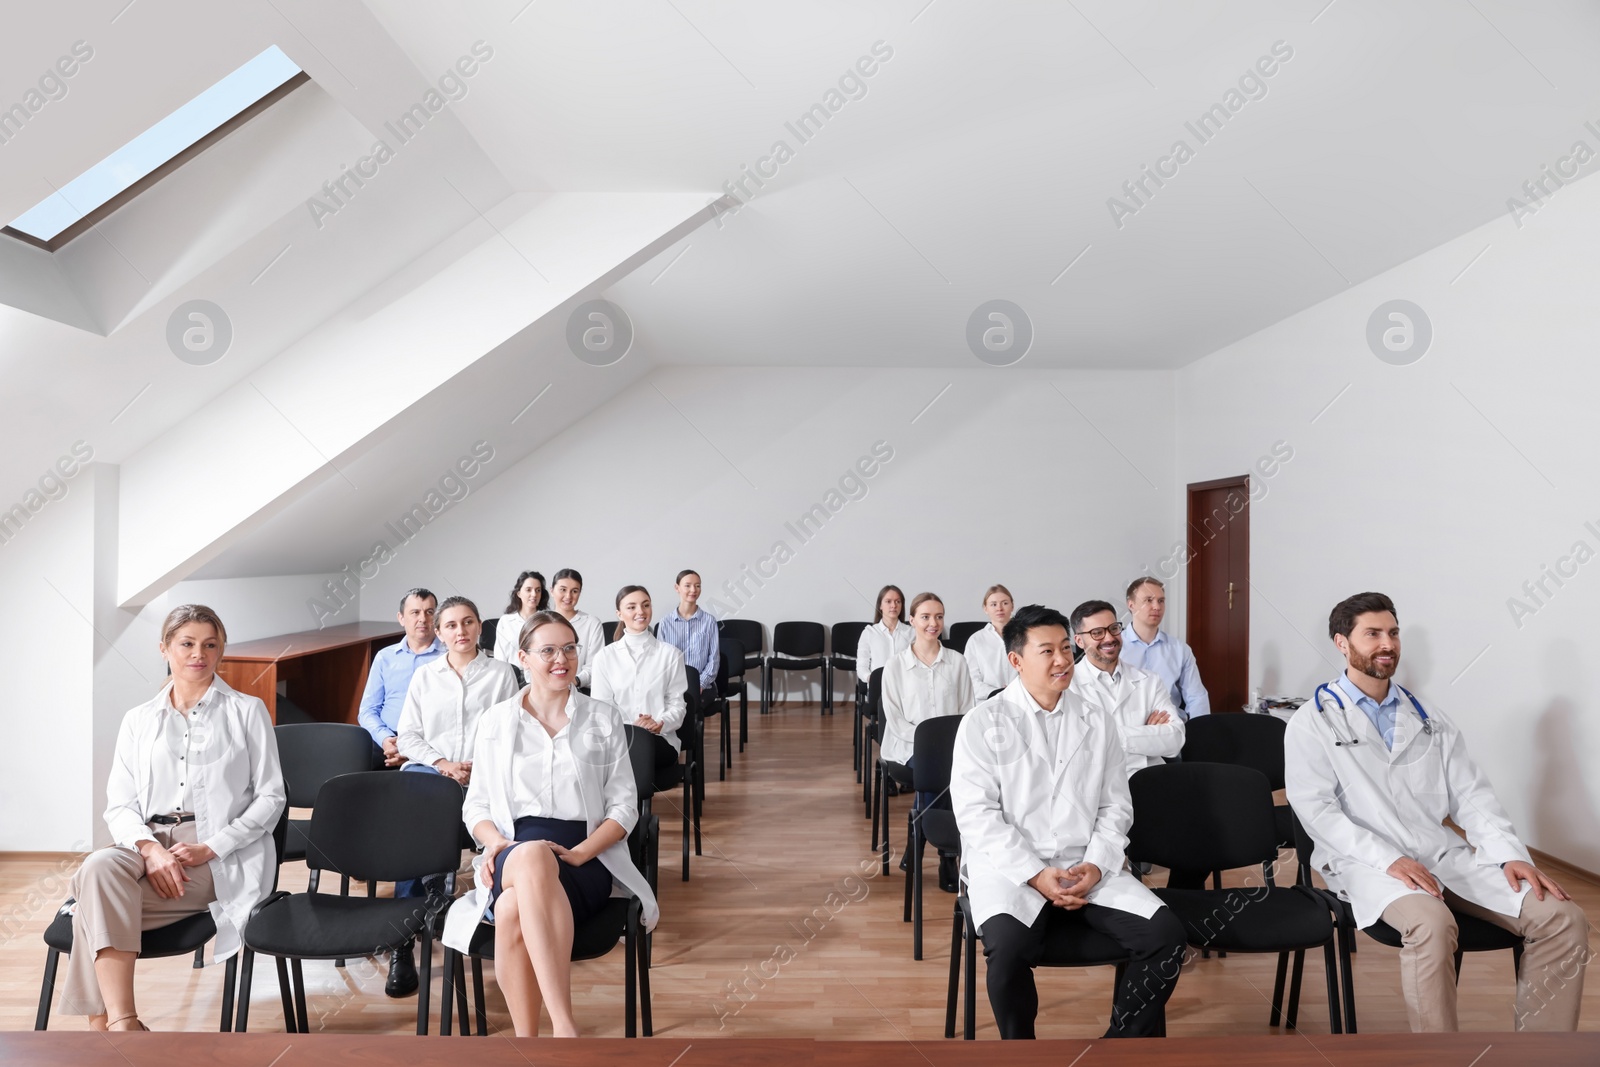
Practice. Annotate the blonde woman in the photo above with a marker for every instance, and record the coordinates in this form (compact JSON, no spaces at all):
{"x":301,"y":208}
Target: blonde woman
{"x":194,"y":794}
{"x":986,"y":649}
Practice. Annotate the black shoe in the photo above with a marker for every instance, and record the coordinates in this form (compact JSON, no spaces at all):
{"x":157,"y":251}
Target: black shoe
{"x":891,"y":787}
{"x":402,"y":973}
{"x":905,"y":861}
{"x":949,"y":874}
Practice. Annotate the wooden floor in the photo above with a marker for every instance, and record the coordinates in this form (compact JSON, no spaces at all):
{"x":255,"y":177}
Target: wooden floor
{"x":778,"y":935}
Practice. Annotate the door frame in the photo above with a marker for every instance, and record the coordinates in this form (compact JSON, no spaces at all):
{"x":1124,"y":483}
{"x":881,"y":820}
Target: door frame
{"x":1191,"y":492}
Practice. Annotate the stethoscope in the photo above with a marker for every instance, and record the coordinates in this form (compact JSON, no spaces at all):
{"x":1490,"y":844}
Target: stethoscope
{"x":1339,"y":741}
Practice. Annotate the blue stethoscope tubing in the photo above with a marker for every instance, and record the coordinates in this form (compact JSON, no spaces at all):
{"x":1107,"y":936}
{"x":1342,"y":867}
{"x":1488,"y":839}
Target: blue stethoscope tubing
{"x":1316,"y":698}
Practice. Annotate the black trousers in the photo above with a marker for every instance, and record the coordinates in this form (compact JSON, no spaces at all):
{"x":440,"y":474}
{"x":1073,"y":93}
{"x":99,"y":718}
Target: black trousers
{"x":1014,"y":950}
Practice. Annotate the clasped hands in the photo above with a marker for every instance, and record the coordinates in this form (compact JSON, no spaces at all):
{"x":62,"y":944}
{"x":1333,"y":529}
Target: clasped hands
{"x":574,"y":857}
{"x":1067,"y":888}
{"x":164,"y":866}
{"x":460,"y":771}
{"x":648,"y":723}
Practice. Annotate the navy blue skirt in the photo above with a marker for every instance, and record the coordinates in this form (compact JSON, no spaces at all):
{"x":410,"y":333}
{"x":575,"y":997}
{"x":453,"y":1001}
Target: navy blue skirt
{"x":588,"y":887}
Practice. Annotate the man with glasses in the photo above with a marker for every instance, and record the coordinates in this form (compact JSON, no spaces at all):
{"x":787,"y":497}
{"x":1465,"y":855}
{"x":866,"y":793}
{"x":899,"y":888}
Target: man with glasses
{"x":1136,"y":700}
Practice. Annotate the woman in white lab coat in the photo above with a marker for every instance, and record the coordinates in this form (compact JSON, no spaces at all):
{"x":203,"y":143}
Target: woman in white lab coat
{"x":921,"y":682}
{"x":887,"y":634}
{"x":986,"y":648}
{"x":552,"y":801}
{"x":1041,"y":797}
{"x":528,"y":595}
{"x":194,"y":794}
{"x":448,"y":695}
{"x":565,"y":589}
{"x":643,"y":676}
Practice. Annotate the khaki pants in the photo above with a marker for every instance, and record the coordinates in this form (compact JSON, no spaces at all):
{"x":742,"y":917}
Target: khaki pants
{"x":116,"y":903}
{"x":1549,"y":984}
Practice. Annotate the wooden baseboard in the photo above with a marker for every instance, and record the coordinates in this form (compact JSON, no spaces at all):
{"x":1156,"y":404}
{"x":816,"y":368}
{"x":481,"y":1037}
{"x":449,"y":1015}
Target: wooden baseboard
{"x":1547,"y":860}
{"x":36,"y":857}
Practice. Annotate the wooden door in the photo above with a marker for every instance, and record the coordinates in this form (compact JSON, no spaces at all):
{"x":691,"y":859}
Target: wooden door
{"x":1219,"y":589}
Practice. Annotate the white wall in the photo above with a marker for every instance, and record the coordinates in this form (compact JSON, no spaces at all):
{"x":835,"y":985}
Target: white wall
{"x":1447,"y":484}
{"x":1001,"y":480}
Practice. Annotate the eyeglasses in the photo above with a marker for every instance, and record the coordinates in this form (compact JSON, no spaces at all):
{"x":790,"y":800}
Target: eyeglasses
{"x":1100,"y":631}
{"x":548,"y":652}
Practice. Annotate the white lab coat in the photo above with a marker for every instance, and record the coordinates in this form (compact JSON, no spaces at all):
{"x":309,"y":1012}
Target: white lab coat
{"x":914,"y":692}
{"x":987,"y":662}
{"x":591,"y":639}
{"x":506,"y":634}
{"x":236,"y":788}
{"x":1022,"y":806}
{"x":878,"y":645}
{"x":605,"y":782}
{"x":1128,"y":695}
{"x":1366,"y":806}
{"x":650,"y":682}
{"x":442,"y":708}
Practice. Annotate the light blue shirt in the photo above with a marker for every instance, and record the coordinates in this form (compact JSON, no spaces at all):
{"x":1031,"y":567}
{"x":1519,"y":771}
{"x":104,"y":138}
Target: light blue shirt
{"x":697,"y":637}
{"x":387,"y":682}
{"x":1382,"y":715}
{"x":1172,"y":661}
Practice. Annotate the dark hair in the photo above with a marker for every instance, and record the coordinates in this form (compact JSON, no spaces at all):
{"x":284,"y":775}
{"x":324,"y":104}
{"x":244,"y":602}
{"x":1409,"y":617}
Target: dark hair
{"x":538,"y":619}
{"x":877,"y":605}
{"x":421,"y":594}
{"x":1087,"y":608}
{"x":1133,"y":587}
{"x":515,"y":603}
{"x":567,"y":572}
{"x":1031,"y":617}
{"x":684,"y":574}
{"x":1342,"y":619}
{"x":457,"y":602}
{"x":629,"y":589}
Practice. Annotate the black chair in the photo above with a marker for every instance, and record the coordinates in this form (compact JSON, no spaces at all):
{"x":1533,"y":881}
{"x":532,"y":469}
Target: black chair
{"x":610,"y":629}
{"x":188,"y":935}
{"x":645,"y":841}
{"x":843,"y":639}
{"x":960,"y":632}
{"x":718,"y":704}
{"x":752,"y":656}
{"x":1245,"y":741}
{"x":1080,"y":947}
{"x":933,"y":752}
{"x":683,"y":773}
{"x":311,"y":925}
{"x":692,"y":737}
{"x":1472,"y":933}
{"x":883,"y":772}
{"x":1216,"y":817}
{"x":797,"y":646}
{"x":870,"y":703}
{"x":486,"y":635}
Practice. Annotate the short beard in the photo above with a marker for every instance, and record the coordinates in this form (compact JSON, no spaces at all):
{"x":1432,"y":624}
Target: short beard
{"x":1366,"y":666}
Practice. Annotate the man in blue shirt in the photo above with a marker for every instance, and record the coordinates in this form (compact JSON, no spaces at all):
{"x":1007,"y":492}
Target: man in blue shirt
{"x":1160,"y":653}
{"x":381,"y":704}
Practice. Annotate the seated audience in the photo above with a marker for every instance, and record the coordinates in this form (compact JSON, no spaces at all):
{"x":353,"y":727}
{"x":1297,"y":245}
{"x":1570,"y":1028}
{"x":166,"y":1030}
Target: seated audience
{"x":567,"y":587}
{"x":986,"y":649}
{"x":1137,"y":701}
{"x":1150,"y":648}
{"x":528,"y":595}
{"x":693,"y":631}
{"x":552,"y":800}
{"x":1373,"y":777}
{"x":391,"y":672}
{"x":886,"y":636}
{"x":194,"y":794}
{"x":1040,"y":793}
{"x":643,"y":676}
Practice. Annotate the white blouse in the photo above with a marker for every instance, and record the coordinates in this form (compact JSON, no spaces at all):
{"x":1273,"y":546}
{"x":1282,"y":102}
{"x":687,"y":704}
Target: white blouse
{"x":914,"y":691}
{"x":442,"y":708}
{"x":179,"y":739}
{"x":987,"y":662}
{"x":506,"y":633}
{"x":878,"y":646}
{"x":643,"y":675}
{"x":591,"y":639}
{"x":545,"y":778}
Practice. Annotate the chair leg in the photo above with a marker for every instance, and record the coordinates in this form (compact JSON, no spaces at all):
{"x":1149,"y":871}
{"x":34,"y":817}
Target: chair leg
{"x":647,"y":1024}
{"x":724,"y":746}
{"x":955,"y":974}
{"x":687,"y":802}
{"x":1294,"y":989}
{"x":744,"y":714}
{"x":286,"y":994}
{"x":461,"y":993}
{"x":1330,"y":968}
{"x":480,"y":1008}
{"x":246,"y":973}
{"x":969,"y":1003}
{"x":872,"y":803}
{"x":906,"y":858}
{"x":301,"y":1024}
{"x":230,"y":977}
{"x":446,"y":992}
{"x":630,"y":975}
{"x":199,"y":958}
{"x":916,"y":890}
{"x":47,"y":992}
{"x":425,"y":977}
{"x":344,"y":891}
{"x":699,"y":800}
{"x":1347,"y":939}
{"x":1276,"y":1018}
{"x":883,"y":801}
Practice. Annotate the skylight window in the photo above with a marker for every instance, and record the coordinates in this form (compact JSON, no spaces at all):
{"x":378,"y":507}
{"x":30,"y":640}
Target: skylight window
{"x":164,"y":147}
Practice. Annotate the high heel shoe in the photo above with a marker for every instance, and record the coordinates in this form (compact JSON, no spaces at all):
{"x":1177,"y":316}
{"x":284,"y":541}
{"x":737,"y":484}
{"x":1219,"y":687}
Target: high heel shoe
{"x":123,"y":1018}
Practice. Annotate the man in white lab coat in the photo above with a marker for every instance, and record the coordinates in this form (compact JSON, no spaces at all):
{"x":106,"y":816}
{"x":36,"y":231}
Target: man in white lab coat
{"x":1137,"y":700}
{"x":1373,"y":775}
{"x":1040,"y":793}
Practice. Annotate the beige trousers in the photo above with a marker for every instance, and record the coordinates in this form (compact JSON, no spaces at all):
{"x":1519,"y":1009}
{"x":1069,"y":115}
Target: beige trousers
{"x":115,"y":903}
{"x":1549,"y":984}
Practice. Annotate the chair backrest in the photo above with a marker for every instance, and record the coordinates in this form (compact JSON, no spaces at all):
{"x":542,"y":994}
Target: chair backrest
{"x":1245,"y":740}
{"x":961,"y":633}
{"x":933,"y":750}
{"x":1202,"y":817}
{"x":280,"y":844}
{"x":610,"y":629}
{"x":1303,"y":846}
{"x":875,"y":701}
{"x":745,"y":631}
{"x":486,"y":635}
{"x":845,"y":637}
{"x":798,"y":639}
{"x":691,"y":694}
{"x":313,"y":752}
{"x":730,"y":664}
{"x":386,"y":826}
{"x":642,"y":758}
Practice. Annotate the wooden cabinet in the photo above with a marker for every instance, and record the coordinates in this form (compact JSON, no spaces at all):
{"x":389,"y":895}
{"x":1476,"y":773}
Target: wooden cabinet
{"x":323,"y":671}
